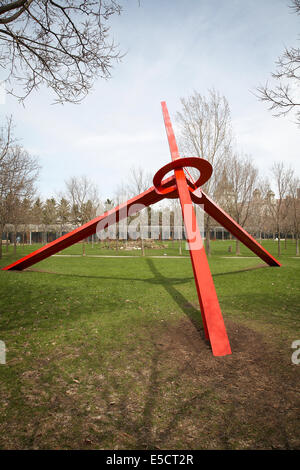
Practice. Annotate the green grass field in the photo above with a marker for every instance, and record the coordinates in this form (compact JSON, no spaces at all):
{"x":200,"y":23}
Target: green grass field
{"x":109,"y":353}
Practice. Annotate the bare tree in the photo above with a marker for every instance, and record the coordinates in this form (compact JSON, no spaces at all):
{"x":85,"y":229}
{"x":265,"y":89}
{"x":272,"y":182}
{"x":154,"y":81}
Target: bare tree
{"x":80,"y":191}
{"x":282,"y":177}
{"x":64,"y":45}
{"x":239,"y":182}
{"x":138,"y":181}
{"x":84,"y":200}
{"x":18,"y":174}
{"x":63,"y":214}
{"x":284,"y":97}
{"x":258,"y":218}
{"x":293,"y":201}
{"x":205,"y":132}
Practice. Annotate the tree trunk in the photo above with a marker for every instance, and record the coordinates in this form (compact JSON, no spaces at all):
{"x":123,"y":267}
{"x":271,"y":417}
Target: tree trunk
{"x":83,"y":249}
{"x":237,"y":247}
{"x":207,"y":237}
{"x":180,"y":247}
{"x":6,"y":242}
{"x":297,"y":245}
{"x":15,"y":241}
{"x":1,"y":233}
{"x":285,"y":241}
{"x":279,"y":247}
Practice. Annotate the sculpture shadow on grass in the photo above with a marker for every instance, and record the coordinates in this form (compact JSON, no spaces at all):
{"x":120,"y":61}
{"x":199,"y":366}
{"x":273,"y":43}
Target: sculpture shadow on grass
{"x":187,"y":307}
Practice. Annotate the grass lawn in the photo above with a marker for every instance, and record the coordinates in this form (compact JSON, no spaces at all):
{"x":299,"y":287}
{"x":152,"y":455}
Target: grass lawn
{"x":109,"y":353}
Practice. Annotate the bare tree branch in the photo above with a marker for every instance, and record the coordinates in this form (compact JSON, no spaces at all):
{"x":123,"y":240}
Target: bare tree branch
{"x":11,"y":6}
{"x":64,"y":45}
{"x":284,"y":97}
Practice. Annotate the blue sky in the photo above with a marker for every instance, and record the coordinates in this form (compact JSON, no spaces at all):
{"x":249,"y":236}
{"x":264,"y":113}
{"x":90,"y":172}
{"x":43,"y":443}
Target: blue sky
{"x":172,"y":48}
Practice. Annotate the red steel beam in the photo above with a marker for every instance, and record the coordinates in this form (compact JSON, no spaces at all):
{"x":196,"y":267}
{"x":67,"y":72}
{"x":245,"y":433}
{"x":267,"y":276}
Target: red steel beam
{"x":236,"y":230}
{"x":213,"y":322}
{"x":110,"y":217}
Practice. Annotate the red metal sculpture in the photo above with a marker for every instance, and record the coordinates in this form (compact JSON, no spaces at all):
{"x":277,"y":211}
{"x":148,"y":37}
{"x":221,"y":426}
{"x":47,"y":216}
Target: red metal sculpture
{"x":187,"y":191}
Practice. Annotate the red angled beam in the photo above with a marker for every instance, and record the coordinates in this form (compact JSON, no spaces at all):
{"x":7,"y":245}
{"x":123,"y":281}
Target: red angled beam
{"x":108,"y":218}
{"x":213,"y":322}
{"x":236,"y":230}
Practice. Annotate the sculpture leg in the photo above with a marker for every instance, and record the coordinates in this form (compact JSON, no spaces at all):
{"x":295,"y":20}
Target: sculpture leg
{"x":114,"y":215}
{"x":210,"y":309}
{"x":236,"y":230}
{"x":209,"y":304}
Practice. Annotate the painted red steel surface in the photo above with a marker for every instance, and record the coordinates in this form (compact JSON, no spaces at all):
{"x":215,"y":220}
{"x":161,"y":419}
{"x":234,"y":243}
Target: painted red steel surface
{"x":213,"y":322}
{"x":236,"y":230}
{"x":202,"y":165}
{"x":112,"y":216}
{"x":173,"y":187}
